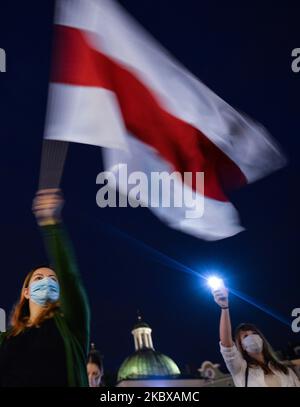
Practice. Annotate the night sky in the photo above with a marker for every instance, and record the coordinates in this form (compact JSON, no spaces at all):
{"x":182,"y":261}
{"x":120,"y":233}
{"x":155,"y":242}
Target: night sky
{"x":241,"y":52}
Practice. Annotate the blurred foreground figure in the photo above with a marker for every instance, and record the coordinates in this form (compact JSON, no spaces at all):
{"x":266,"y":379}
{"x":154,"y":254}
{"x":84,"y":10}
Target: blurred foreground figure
{"x":47,"y":342}
{"x":249,"y":358}
{"x":94,"y":367}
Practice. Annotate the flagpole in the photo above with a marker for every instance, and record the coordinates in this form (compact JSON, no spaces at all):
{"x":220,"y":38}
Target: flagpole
{"x":53,"y":158}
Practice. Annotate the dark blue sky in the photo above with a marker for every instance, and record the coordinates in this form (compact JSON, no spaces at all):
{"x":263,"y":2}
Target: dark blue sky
{"x":243,"y":53}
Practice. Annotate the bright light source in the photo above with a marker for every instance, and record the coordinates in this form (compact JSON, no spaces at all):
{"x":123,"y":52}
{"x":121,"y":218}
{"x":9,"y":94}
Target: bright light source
{"x":215,"y":283}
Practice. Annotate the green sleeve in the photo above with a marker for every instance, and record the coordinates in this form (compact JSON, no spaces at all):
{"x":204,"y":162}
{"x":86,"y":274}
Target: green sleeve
{"x":2,"y":336}
{"x":73,"y":298}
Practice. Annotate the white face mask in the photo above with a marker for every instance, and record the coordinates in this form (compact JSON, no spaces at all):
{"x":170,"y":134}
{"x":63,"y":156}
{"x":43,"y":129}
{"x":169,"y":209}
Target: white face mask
{"x":252,"y":343}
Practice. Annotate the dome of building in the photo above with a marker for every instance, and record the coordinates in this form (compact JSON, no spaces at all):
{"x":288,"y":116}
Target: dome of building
{"x":146,"y":363}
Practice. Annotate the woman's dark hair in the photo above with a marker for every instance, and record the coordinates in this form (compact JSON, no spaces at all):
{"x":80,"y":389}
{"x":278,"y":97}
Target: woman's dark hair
{"x":268,"y":352}
{"x":95,"y":357}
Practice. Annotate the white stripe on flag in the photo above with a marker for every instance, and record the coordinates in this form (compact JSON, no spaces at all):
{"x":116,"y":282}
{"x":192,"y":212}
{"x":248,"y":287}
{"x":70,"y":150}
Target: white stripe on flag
{"x":81,"y":114}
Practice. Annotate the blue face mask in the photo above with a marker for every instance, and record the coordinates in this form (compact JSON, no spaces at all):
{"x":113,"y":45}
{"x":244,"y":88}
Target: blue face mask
{"x":44,"y":291}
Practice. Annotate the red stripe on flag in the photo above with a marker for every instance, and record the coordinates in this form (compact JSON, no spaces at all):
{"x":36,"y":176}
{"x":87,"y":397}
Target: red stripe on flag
{"x":186,"y":148}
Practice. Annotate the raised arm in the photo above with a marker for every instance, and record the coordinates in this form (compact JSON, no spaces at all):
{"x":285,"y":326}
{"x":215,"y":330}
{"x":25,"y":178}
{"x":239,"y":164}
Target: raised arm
{"x":221,"y":298}
{"x":232,"y":357}
{"x":74,"y":303}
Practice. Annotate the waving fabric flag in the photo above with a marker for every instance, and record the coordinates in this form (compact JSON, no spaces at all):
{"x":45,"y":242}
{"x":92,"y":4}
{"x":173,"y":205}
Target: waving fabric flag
{"x":114,"y":86}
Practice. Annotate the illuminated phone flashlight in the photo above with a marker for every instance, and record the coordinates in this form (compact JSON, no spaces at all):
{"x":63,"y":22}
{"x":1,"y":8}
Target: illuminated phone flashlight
{"x":215,"y":283}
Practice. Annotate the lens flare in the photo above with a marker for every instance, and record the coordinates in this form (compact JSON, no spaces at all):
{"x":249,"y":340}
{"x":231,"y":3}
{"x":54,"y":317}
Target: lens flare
{"x":215,"y":283}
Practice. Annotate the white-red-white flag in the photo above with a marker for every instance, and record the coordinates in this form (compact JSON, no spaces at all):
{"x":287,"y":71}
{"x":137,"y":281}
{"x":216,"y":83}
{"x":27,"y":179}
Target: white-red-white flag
{"x":114,"y":86}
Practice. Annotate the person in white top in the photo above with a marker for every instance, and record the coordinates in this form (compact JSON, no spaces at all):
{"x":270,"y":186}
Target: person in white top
{"x":249,"y":358}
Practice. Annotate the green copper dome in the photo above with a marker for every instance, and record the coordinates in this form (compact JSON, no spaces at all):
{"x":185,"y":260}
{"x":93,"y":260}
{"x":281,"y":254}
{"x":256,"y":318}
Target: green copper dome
{"x":145,"y":363}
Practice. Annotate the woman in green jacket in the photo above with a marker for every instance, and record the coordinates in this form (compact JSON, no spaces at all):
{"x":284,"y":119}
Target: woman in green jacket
{"x":47,"y":342}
